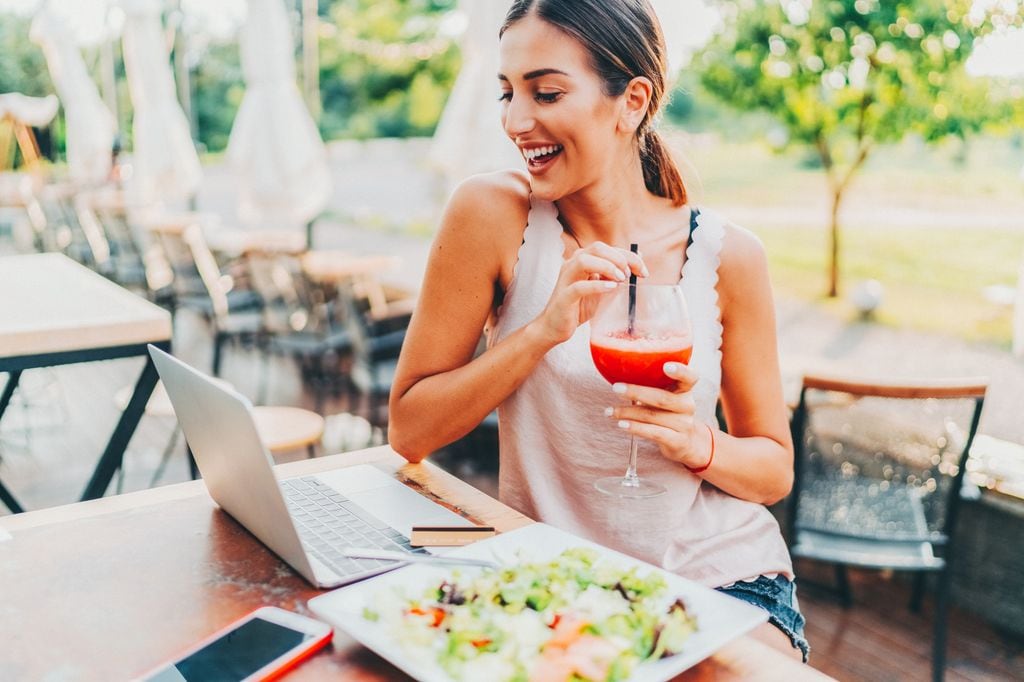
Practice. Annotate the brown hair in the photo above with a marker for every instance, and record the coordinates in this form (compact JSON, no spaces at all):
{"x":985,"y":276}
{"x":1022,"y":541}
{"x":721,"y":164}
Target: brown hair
{"x":624,"y":40}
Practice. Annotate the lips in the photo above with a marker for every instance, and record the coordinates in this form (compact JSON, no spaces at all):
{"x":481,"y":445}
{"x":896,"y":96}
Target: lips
{"x":538,"y":158}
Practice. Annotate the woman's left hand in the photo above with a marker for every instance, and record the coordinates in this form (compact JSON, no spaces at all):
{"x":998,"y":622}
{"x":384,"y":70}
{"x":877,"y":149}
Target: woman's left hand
{"x":666,"y":417}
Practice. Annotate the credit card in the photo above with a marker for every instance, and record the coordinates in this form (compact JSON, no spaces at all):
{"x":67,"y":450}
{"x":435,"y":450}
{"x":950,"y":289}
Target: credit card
{"x":448,"y":536}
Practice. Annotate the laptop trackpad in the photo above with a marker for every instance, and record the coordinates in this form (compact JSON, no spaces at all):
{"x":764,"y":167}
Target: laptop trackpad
{"x":402,"y":509}
{"x":389,"y":500}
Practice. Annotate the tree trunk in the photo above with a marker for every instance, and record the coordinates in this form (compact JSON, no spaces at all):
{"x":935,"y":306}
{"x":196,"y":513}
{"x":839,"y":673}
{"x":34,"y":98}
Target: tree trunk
{"x":833,"y":266}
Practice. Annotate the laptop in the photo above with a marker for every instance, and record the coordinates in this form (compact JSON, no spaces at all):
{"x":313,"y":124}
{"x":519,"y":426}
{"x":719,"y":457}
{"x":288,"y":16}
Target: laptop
{"x":307,"y":521}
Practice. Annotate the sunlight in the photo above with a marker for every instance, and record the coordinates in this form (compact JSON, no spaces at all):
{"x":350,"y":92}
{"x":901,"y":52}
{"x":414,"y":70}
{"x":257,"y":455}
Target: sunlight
{"x":1000,"y":54}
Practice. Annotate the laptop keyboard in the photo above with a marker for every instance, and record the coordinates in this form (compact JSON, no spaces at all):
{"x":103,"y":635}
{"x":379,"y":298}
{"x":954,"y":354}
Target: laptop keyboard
{"x":327,"y":522}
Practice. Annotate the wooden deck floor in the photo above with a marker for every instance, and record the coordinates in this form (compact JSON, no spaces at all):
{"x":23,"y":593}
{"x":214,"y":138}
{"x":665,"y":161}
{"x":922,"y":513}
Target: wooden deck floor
{"x":49,"y":446}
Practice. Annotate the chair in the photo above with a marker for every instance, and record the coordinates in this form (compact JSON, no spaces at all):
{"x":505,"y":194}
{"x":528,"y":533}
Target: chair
{"x":56,"y":227}
{"x":282,"y":429}
{"x":232,"y":319}
{"x":198,"y":284}
{"x":377,"y":317}
{"x":196,"y":279}
{"x":298,"y":320}
{"x":126,"y":245}
{"x":878,"y":473}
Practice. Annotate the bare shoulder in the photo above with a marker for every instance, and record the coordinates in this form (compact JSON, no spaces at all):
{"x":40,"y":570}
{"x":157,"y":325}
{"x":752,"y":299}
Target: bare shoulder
{"x":489,"y":201}
{"x":485,"y":219}
{"x":743,"y":263}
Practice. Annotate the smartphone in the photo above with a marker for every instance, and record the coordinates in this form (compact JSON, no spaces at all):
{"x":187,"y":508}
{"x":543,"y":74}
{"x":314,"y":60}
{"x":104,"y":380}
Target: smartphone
{"x":260,"y":646}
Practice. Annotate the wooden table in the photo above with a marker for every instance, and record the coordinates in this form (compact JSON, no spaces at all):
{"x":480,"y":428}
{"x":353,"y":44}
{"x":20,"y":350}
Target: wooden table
{"x":236,"y":243}
{"x":106,"y":589}
{"x":332,"y":269}
{"x":54,"y":311}
{"x":336,"y":267}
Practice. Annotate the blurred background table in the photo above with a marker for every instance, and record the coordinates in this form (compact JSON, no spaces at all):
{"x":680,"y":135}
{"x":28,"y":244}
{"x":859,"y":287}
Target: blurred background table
{"x":57,"y":312}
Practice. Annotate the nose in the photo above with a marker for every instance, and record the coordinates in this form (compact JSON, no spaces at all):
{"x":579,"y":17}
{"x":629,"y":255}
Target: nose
{"x":517,"y":117}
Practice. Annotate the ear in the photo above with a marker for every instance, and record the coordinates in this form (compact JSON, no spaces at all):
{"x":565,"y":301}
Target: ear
{"x":635,"y":101}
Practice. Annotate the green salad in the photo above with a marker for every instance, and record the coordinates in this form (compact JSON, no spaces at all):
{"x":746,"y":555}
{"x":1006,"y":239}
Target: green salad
{"x":571,"y":618}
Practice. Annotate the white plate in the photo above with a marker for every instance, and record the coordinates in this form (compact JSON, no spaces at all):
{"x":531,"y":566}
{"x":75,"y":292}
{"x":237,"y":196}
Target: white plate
{"x":720,"y":618}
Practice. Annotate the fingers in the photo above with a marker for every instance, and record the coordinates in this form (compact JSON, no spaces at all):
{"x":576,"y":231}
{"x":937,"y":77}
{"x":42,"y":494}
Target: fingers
{"x":673,"y":432}
{"x":685,"y":377}
{"x":668,"y":438}
{"x":607,"y":261}
{"x":673,"y":419}
{"x":584,"y":265}
{"x":670,"y":400}
{"x":623,"y":259}
{"x":589,"y":287}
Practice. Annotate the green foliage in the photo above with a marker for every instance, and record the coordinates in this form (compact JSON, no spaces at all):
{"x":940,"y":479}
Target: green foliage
{"x":217,"y":88}
{"x":23,"y":69}
{"x":384,"y":72}
{"x":22,"y":66}
{"x":845,"y":75}
{"x":851,"y":72}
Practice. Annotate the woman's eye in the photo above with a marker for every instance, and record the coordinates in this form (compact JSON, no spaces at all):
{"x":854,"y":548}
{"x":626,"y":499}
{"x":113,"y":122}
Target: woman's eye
{"x":505,"y":96}
{"x":547,"y":97}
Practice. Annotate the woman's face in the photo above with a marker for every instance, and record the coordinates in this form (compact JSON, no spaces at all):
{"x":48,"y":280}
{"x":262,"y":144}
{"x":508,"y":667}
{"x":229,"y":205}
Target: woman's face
{"x":555,"y":110}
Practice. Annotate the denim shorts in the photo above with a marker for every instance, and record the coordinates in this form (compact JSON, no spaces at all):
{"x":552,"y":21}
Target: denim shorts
{"x":777,"y":596}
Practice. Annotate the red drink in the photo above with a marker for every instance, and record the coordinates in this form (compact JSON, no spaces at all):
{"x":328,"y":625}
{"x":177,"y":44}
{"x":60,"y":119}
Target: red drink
{"x":639,"y":360}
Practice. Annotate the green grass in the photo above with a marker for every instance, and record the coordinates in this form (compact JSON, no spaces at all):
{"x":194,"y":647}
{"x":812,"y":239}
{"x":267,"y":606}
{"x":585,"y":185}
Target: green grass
{"x":934,"y":226}
{"x":934,"y":281}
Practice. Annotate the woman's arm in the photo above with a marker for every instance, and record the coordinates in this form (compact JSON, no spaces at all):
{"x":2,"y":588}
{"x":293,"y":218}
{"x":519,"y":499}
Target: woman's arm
{"x":755,"y":460}
{"x":440,"y":391}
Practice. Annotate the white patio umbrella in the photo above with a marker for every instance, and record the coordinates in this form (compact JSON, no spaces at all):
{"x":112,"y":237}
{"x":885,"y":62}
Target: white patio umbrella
{"x":90,"y":126}
{"x":165,"y":165}
{"x":469,"y":138}
{"x":31,"y":111}
{"x":275,"y":148}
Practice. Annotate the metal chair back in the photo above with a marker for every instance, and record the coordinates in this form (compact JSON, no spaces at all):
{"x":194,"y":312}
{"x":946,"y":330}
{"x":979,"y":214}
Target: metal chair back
{"x":882,"y":462}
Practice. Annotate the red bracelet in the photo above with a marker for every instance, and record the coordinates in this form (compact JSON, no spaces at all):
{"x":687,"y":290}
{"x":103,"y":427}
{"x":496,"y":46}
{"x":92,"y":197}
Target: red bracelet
{"x":711,"y":459}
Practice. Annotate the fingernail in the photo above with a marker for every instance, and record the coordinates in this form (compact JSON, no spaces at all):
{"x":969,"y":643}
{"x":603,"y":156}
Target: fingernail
{"x":609,"y":411}
{"x":624,"y":273}
{"x":645,"y":272}
{"x":619,"y":388}
{"x":623,"y":424}
{"x":610,"y":285}
{"x":671,"y":367}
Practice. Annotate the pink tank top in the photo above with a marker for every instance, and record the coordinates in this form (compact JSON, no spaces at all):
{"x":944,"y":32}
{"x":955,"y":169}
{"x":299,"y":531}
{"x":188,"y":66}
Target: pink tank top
{"x":555,"y":440}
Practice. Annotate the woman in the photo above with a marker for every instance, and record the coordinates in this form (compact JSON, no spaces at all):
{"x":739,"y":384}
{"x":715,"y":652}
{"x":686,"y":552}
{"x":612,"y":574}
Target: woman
{"x":524,"y":255}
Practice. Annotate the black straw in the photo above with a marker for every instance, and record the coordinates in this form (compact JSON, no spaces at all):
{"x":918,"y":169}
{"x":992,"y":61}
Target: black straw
{"x":633,"y":248}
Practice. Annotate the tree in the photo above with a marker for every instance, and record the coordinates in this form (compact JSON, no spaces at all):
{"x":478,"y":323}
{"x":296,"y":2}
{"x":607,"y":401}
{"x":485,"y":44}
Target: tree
{"x":386,"y":68}
{"x":843,"y":76}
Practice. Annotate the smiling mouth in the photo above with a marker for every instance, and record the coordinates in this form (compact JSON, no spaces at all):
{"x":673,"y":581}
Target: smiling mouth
{"x":539,"y":156}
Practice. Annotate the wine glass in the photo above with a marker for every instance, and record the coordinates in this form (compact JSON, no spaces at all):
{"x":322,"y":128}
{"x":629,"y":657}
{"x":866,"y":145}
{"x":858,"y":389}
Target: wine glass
{"x":634,"y":331}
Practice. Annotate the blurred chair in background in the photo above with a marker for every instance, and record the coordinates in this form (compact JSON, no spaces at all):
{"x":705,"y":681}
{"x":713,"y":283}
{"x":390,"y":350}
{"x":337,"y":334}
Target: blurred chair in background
{"x":234,"y":314}
{"x":282,"y":429}
{"x":377,"y":317}
{"x":878,"y":473}
{"x":298,"y":321}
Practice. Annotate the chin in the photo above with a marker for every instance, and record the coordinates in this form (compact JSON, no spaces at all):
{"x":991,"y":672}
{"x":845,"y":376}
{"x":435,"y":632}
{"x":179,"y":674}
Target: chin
{"x":544,"y":190}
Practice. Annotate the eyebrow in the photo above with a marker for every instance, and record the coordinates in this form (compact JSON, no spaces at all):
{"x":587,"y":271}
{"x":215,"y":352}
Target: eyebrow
{"x":537,"y":73}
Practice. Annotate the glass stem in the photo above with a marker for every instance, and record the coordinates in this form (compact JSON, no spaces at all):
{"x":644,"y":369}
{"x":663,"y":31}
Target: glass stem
{"x":631,"y":479}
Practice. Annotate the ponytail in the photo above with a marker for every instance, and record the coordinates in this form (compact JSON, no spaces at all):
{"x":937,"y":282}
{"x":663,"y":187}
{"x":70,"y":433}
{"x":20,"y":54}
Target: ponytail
{"x":661,"y":175}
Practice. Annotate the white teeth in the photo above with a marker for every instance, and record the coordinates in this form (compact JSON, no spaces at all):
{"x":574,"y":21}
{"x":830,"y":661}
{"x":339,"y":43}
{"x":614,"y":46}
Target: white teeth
{"x":532,"y":154}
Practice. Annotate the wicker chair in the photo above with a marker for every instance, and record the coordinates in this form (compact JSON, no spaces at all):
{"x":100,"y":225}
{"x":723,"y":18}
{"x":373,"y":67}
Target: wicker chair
{"x":879,"y":469}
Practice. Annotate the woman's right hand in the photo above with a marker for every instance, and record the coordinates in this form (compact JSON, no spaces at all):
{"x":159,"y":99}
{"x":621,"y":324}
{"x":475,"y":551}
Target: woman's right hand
{"x":591,"y":271}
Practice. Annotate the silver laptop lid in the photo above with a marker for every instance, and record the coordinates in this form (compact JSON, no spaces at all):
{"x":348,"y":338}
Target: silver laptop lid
{"x":235,"y":464}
